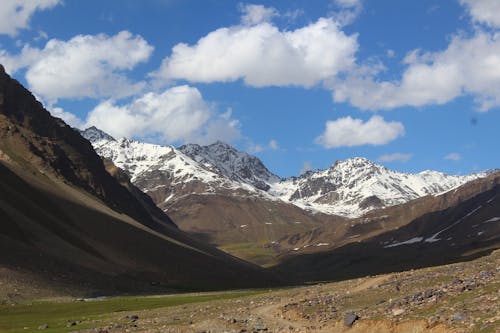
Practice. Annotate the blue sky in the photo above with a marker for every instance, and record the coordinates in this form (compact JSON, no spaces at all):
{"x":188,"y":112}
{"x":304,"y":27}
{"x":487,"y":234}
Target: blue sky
{"x":414,"y":85}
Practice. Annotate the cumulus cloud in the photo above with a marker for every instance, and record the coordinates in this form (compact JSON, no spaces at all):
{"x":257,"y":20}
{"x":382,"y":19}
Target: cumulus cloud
{"x":349,"y":11}
{"x":484,"y":11}
{"x":255,"y":14}
{"x":262,"y":55}
{"x":467,"y":66}
{"x":395,"y":157}
{"x":85,"y":66}
{"x":68,"y":117}
{"x":349,"y":132}
{"x":16,"y":14}
{"x":25,"y":58}
{"x":219,"y":127}
{"x":179,"y":114}
{"x":453,"y":157}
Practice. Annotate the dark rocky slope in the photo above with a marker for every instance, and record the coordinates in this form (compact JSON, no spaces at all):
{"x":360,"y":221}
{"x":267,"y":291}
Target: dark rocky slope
{"x":66,"y":222}
{"x":465,"y":230}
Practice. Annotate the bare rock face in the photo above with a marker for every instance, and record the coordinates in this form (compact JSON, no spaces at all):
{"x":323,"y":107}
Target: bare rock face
{"x":371,"y":202}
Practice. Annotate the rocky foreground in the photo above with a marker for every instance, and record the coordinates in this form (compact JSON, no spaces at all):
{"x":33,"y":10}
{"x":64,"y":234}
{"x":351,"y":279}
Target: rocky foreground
{"x":462,"y":297}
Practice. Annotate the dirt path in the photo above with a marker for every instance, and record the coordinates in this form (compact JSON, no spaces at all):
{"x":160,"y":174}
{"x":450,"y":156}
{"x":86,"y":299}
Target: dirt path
{"x":272,"y":314}
{"x":371,"y":282}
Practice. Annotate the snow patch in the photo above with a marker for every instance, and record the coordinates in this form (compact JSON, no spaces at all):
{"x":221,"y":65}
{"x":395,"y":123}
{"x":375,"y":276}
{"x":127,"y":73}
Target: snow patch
{"x":410,"y":241}
{"x":434,"y":238}
{"x":494,"y":219}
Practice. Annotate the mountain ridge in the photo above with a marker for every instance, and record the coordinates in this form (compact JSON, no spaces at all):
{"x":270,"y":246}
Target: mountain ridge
{"x":349,"y":188}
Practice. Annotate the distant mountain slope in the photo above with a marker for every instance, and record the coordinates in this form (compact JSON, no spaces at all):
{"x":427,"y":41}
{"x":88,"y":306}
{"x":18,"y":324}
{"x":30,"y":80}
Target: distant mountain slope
{"x":204,"y":199}
{"x":67,"y":223}
{"x":334,"y":235}
{"x":467,"y":228}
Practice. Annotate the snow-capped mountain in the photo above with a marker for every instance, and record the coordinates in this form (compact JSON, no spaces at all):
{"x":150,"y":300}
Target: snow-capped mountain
{"x":167,"y":174}
{"x":349,"y":188}
{"x":231,"y":163}
{"x":358,"y":185}
{"x":93,"y":134}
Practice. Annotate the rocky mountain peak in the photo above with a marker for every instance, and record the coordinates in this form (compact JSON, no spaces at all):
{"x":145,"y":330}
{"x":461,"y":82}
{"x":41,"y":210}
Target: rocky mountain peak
{"x":227,"y":161}
{"x":93,"y":134}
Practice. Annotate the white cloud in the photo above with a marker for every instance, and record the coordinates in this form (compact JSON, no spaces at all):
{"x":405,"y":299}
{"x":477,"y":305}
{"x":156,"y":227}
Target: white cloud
{"x":484,"y":11}
{"x":467,"y":66}
{"x":258,"y":148}
{"x":349,"y":132}
{"x":219,"y":127}
{"x":306,"y":166}
{"x":395,"y":157}
{"x":27,"y":57}
{"x":391,"y":53}
{"x":349,"y":11}
{"x":68,"y":117}
{"x":15,"y":14}
{"x":179,"y":114}
{"x":293,"y":14}
{"x":255,"y":14}
{"x":85,"y":66}
{"x":453,"y":157}
{"x":262,"y":55}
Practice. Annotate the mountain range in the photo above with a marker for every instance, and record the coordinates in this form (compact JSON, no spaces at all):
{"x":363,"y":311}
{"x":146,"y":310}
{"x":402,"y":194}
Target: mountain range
{"x":349,"y":188}
{"x":230,"y":199}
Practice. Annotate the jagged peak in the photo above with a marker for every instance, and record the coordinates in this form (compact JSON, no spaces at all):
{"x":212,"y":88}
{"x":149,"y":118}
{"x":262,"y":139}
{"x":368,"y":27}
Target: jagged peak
{"x":94,"y":134}
{"x":232,"y":163}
